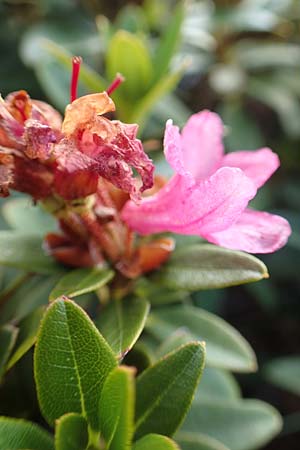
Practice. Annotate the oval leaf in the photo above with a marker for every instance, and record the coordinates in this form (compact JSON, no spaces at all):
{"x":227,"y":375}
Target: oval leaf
{"x":128,"y":54}
{"x":198,"y":441}
{"x":225,"y":346}
{"x":116,"y":408}
{"x":81,"y":281}
{"x":121,"y":323}
{"x":71,"y":363}
{"x":172,"y":379}
{"x":71,"y":432}
{"x":285,"y":373}
{"x":207,"y":266}
{"x":241,"y":424}
{"x":155,"y":442}
{"x":25,"y":251}
{"x":8,"y":337}
{"x":16,"y":434}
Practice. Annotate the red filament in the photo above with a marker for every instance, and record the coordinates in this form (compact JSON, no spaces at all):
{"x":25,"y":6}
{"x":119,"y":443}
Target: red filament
{"x":115,"y":84}
{"x":76,"y":62}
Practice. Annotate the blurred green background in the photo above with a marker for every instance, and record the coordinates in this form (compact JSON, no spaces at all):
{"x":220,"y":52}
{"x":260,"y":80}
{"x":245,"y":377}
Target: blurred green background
{"x":239,"y":58}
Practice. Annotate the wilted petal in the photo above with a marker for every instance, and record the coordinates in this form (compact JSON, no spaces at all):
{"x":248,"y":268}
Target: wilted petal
{"x":207,"y":206}
{"x":38,"y":139}
{"x":32,"y":177}
{"x":11,"y":130}
{"x":202,"y":144}
{"x":254,"y":232}
{"x":258,"y":165}
{"x":6,"y":174}
{"x":47,"y":115}
{"x":77,"y":184}
{"x":19,"y":105}
{"x":84,"y":110}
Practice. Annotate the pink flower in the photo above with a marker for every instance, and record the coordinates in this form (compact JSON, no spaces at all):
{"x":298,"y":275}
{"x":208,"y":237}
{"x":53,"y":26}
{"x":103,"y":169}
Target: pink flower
{"x":209,"y":192}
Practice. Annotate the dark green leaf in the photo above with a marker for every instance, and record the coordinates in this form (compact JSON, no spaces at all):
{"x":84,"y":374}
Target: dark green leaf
{"x":8,"y":337}
{"x":116,"y":408}
{"x":71,"y":432}
{"x":121,"y":323}
{"x":24,"y":251}
{"x":225,"y":347}
{"x":72,"y":361}
{"x":17,"y":434}
{"x":155,"y":442}
{"x":81,"y":281}
{"x":174,"y":377}
{"x":207,"y":266}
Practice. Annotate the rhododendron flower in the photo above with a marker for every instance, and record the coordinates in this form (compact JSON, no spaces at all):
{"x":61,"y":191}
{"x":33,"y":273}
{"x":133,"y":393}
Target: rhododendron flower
{"x":209,"y":192}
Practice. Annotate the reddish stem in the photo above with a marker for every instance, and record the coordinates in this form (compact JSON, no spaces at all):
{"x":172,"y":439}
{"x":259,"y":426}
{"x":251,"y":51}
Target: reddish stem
{"x":115,"y":84}
{"x":76,"y":62}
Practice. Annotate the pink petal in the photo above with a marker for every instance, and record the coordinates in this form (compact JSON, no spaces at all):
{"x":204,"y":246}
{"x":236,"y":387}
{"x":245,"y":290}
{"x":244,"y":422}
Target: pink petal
{"x":204,"y":207}
{"x":254,"y":232}
{"x":38,"y":139}
{"x":258,"y":165}
{"x":202,"y":144}
{"x":173,"y":148}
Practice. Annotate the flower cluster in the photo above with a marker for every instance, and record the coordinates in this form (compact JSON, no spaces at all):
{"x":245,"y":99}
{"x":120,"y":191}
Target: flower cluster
{"x":82,"y":169}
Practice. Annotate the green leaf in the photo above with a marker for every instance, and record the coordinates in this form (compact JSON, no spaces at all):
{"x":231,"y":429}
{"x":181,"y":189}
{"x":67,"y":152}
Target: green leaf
{"x":128,"y":54}
{"x":168,"y":42}
{"x":16,"y":434}
{"x":71,"y":432}
{"x":71,"y":363}
{"x":155,"y":442}
{"x":23,"y":216}
{"x":207,"y":266}
{"x":27,"y":336}
{"x":161,"y":88}
{"x":198,"y":441}
{"x":121,"y":323}
{"x":225,"y":347}
{"x":89,"y":77}
{"x":240,"y":425}
{"x":174,"y":377}
{"x":8,"y":337}
{"x":157,"y":294}
{"x":24,"y":251}
{"x":285,"y":373}
{"x":81,"y":281}
{"x":116,"y":408}
{"x":217,"y":384}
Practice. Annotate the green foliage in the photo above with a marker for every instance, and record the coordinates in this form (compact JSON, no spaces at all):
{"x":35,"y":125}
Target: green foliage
{"x":210,"y":267}
{"x":285,"y":373}
{"x":155,"y":442}
{"x":17,"y":434}
{"x":76,"y":349}
{"x":71,"y":432}
{"x":121,"y":323}
{"x":8,"y":336}
{"x":174,"y":377}
{"x":81,"y":281}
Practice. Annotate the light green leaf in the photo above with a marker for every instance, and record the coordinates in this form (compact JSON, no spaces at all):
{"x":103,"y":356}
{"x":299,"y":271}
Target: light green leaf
{"x":24,"y":251}
{"x":121,"y":323}
{"x":285,"y":373}
{"x":161,"y":88}
{"x":71,"y":432}
{"x":198,"y":441}
{"x":116,"y":408}
{"x":22,"y":215}
{"x":225,"y":347}
{"x":174,"y":377}
{"x":16,"y":434}
{"x":217,"y":384}
{"x":71,"y":363}
{"x":89,"y":77}
{"x":155,"y":442}
{"x":8,"y":337}
{"x":81,"y":281}
{"x":241,"y":425}
{"x":168,"y":42}
{"x":128,"y":55}
{"x":206,"y":266}
{"x":27,"y":336}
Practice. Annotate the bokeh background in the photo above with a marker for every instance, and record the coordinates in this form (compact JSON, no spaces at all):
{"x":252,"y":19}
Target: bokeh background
{"x":240,"y":58}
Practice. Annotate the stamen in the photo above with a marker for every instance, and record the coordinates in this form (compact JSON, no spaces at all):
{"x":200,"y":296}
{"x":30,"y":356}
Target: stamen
{"x":115,"y":84}
{"x":76,"y":62}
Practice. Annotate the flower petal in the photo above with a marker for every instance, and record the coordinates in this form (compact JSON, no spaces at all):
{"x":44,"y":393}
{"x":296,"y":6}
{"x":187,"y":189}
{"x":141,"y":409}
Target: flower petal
{"x":258,"y":165}
{"x":205,"y":207}
{"x":254,"y":232}
{"x":173,"y":148}
{"x":202,"y":144}
{"x":38,"y":139}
